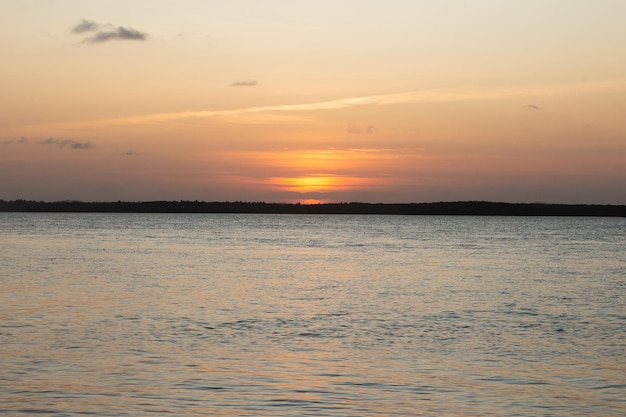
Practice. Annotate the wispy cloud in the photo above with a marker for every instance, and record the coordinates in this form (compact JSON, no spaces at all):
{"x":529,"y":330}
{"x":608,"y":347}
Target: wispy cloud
{"x":101,"y":33}
{"x":532,"y":107}
{"x":66,"y":143}
{"x":244,"y":83}
{"x":410,"y":97}
{"x":51,"y":141}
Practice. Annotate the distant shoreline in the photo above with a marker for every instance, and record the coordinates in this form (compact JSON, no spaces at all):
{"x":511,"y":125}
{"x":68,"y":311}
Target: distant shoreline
{"x":474,"y":208}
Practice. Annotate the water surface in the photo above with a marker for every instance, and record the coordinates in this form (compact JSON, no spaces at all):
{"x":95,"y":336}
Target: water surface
{"x":296,"y":315}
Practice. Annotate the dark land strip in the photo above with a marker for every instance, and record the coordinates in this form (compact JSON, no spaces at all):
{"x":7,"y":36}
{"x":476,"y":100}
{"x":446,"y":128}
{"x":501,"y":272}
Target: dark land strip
{"x":473,"y":208}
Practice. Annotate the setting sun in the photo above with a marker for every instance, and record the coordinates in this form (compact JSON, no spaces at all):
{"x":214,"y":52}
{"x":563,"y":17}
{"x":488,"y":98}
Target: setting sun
{"x":326,"y":172}
{"x":312,"y":201}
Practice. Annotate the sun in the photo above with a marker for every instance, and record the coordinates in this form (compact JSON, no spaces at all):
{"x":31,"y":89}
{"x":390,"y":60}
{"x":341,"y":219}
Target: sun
{"x":313,"y":201}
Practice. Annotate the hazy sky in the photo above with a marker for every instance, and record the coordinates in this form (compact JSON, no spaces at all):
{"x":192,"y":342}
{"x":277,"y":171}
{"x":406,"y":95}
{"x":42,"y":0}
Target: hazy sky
{"x":342,"y":100}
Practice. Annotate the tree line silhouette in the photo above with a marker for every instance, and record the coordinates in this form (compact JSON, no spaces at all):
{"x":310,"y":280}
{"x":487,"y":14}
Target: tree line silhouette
{"x":482,"y":208}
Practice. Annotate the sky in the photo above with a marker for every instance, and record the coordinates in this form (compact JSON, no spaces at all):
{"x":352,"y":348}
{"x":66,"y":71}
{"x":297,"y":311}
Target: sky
{"x":390,"y":101}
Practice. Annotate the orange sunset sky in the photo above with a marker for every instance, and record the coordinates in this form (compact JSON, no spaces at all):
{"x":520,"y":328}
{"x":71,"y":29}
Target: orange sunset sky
{"x":313,"y":101}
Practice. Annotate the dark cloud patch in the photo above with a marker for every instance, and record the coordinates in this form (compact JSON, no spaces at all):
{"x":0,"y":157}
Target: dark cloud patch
{"x":119,"y":33}
{"x":101,"y":33}
{"x":12,"y":141}
{"x":244,"y":83}
{"x":85,"y":26}
{"x":532,"y":107}
{"x":356,"y":130}
{"x":66,"y":143}
{"x":129,"y":153}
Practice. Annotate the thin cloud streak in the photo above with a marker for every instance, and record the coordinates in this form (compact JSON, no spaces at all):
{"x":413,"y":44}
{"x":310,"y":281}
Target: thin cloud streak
{"x":411,"y":97}
{"x":21,"y":140}
{"x":244,"y":83}
{"x":67,"y":143}
{"x":60,"y":143}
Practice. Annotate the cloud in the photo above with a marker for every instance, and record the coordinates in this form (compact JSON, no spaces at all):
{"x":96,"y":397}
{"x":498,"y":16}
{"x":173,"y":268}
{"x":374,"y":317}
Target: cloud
{"x":410,"y":97}
{"x":532,"y":107}
{"x":12,"y":141}
{"x":120,"y":33}
{"x":244,"y":83}
{"x":354,"y":129}
{"x":106,"y":32}
{"x":61,"y":143}
{"x":85,"y":26}
{"x":129,"y":153}
{"x":66,"y":143}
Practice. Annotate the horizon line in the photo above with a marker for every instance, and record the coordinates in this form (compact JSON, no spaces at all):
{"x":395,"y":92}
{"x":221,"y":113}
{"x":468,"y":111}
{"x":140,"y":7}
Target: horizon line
{"x":73,"y":201}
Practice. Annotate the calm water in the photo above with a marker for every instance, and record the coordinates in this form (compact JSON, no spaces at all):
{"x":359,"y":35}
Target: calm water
{"x":278,"y":315}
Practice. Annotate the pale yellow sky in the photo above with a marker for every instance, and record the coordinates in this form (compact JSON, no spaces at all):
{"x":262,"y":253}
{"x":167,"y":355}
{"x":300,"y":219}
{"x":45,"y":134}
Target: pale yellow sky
{"x":381,"y":101}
